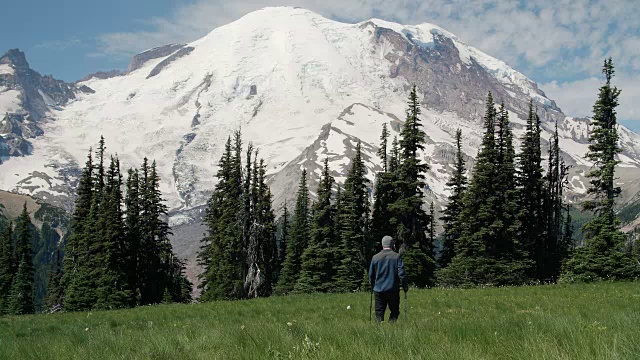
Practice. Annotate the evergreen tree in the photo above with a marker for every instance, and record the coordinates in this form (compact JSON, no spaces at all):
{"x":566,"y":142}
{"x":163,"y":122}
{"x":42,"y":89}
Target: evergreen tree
{"x":551,"y":247}
{"x":113,"y":289}
{"x":487,"y":251}
{"x":223,"y":254}
{"x":132,"y":233}
{"x":506,"y":249}
{"x":7,"y":267}
{"x":531,"y":193}
{"x":409,"y":219}
{"x":451,"y":214}
{"x":317,"y":262}
{"x":353,"y":222}
{"x":77,"y":288}
{"x":263,"y":256}
{"x":299,"y":239}
{"x":285,"y":225}
{"x":384,"y":191}
{"x":54,"y":287}
{"x":21,"y":295}
{"x":603,"y":255}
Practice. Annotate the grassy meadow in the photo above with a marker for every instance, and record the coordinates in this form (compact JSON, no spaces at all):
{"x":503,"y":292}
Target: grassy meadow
{"x":585,"y":321}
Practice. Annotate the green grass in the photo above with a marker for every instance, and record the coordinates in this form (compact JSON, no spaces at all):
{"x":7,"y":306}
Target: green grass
{"x":600,"y":321}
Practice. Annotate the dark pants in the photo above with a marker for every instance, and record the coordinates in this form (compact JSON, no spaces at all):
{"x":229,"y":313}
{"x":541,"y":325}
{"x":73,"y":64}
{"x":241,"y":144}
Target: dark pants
{"x":384,"y":299}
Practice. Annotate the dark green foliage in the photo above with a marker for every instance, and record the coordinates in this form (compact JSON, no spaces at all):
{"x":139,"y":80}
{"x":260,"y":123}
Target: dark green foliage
{"x":222,"y":248}
{"x":353,"y":223}
{"x":239,"y":252}
{"x":488,"y":251}
{"x":451,"y":214}
{"x":531,"y":194}
{"x":54,"y":298}
{"x":408,"y":220}
{"x":384,"y":192}
{"x":317,"y":262}
{"x":284,"y":227}
{"x":299,"y":239}
{"x":604,"y":254}
{"x":112,"y":261}
{"x":7,"y":266}
{"x":76,"y":277}
{"x":21,"y":295}
{"x":262,"y":254}
{"x":554,"y":243}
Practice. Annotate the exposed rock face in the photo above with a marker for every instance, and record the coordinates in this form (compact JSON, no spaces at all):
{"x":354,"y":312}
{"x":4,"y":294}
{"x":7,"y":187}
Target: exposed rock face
{"x":164,"y":63}
{"x":151,"y":54}
{"x":102,"y":75}
{"x":26,"y":97}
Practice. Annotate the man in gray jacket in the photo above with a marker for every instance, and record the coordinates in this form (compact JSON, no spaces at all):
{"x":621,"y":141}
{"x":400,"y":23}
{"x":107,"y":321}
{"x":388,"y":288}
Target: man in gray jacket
{"x":387,"y":275}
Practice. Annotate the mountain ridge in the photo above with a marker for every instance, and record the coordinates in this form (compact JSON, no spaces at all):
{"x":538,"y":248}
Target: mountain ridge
{"x":302,"y":88}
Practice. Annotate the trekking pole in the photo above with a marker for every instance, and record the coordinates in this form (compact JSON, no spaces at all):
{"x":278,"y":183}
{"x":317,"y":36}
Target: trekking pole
{"x":405,"y":305}
{"x":370,"y":303}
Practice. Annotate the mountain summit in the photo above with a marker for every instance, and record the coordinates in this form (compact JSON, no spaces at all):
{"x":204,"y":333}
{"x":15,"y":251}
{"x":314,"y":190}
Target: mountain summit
{"x":301,"y":87}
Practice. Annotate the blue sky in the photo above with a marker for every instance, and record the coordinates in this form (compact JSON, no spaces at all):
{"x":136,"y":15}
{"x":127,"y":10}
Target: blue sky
{"x":559,"y":44}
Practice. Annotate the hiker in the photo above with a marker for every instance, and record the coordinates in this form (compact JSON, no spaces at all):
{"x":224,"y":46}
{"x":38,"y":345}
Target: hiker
{"x":386,"y":274}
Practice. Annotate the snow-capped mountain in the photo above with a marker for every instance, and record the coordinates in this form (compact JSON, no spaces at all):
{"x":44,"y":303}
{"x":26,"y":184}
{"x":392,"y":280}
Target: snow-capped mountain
{"x":301,"y":87}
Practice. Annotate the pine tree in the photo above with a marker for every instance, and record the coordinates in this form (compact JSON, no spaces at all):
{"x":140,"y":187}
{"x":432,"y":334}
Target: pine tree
{"x":384,"y":191}
{"x":487,"y":251}
{"x":551,"y":248}
{"x":299,"y":239}
{"x":285,"y":226}
{"x":21,"y":295}
{"x":7,"y":266}
{"x":531,"y":193}
{"x":507,"y":251}
{"x":133,"y":233}
{"x":317,"y":261}
{"x":75,"y":279}
{"x":452,"y":224}
{"x":263,"y":233}
{"x":408,"y":217}
{"x":603,"y":255}
{"x":353,"y":223}
{"x":54,"y":287}
{"x":222,"y":249}
{"x":111,"y":276}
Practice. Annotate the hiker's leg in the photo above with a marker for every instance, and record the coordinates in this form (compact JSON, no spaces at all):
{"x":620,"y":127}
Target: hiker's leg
{"x":394,"y":305}
{"x":381,"y":306}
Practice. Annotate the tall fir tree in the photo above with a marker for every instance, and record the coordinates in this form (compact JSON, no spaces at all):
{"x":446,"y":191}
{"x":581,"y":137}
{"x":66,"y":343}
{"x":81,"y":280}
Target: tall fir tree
{"x":317,"y":269}
{"x":451,"y":222}
{"x":131,"y":247}
{"x":7,"y":266}
{"x":54,"y":298}
{"x":77,"y":288}
{"x":384,"y":191}
{"x":299,"y":239}
{"x":531,"y":193}
{"x":113,"y":288}
{"x":509,"y":254}
{"x":21,"y":295}
{"x":353,"y":222}
{"x":409,"y":219}
{"x":263,"y":258}
{"x":553,"y":246}
{"x":285,"y":231}
{"x":603,"y":255}
{"x":486,"y":252}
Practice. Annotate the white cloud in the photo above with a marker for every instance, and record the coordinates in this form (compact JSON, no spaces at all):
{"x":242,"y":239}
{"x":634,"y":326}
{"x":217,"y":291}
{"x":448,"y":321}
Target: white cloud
{"x":576,"y":98}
